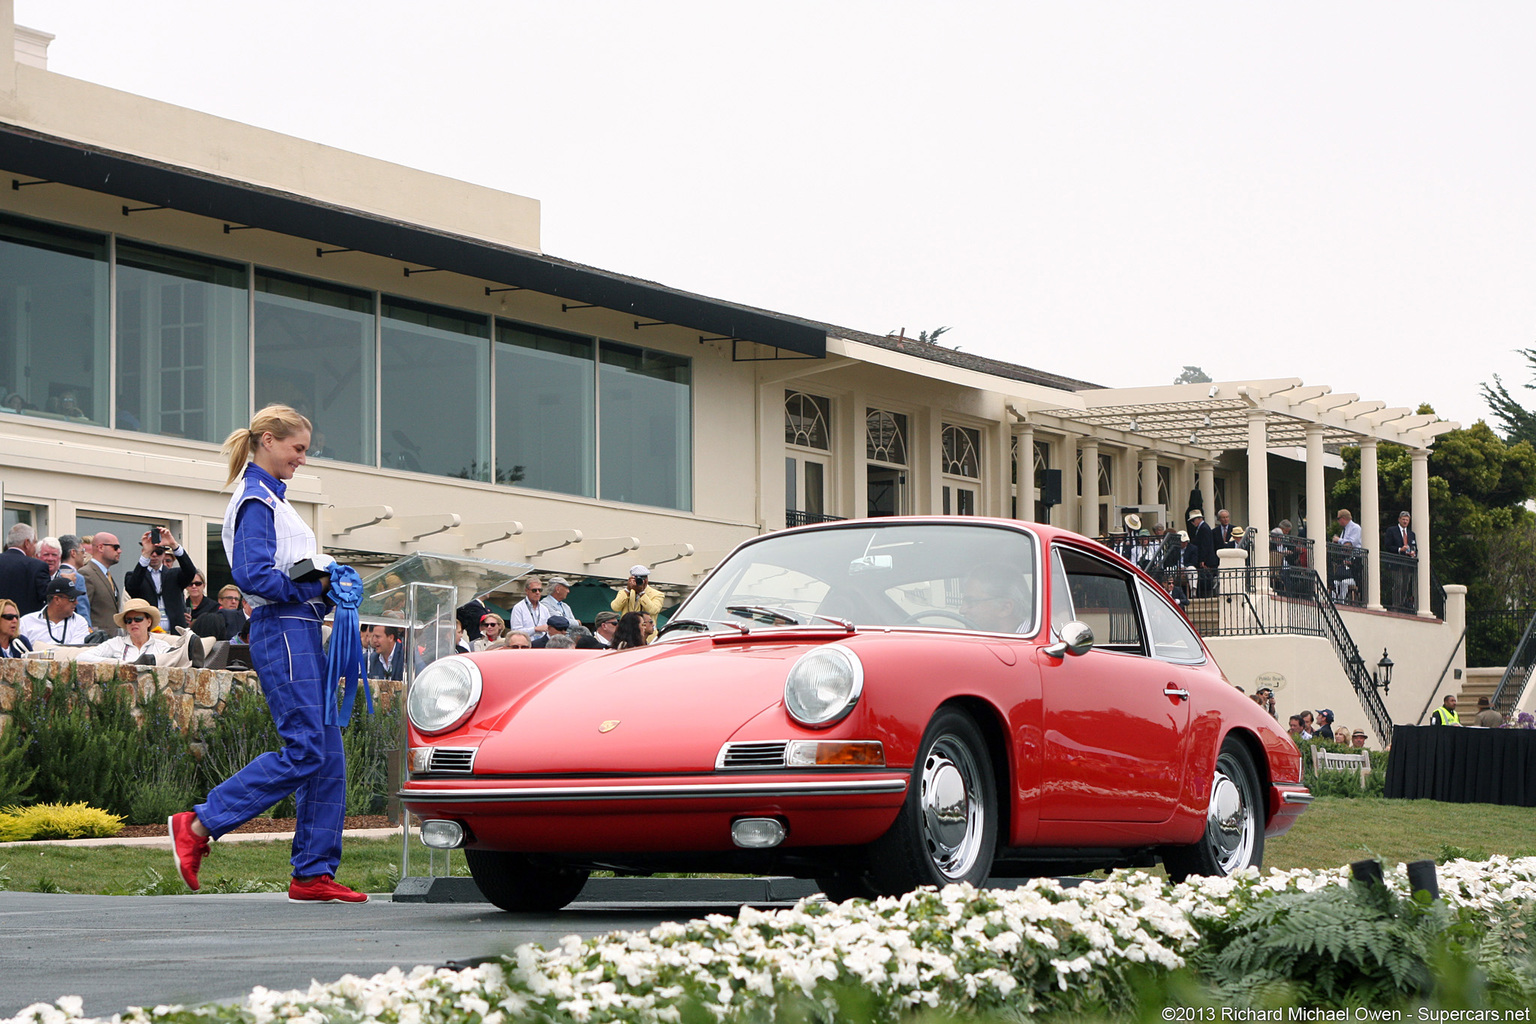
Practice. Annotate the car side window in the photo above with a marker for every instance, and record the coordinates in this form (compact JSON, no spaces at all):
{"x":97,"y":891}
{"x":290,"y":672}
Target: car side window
{"x":1171,"y":638}
{"x":1097,"y":593}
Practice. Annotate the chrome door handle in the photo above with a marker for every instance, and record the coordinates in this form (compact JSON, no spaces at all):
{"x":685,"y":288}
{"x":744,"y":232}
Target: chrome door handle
{"x":1173,"y":691}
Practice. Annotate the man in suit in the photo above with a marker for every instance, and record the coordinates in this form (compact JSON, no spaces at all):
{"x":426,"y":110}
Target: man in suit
{"x":23,"y":576}
{"x":1223,"y":530}
{"x":1399,"y":539}
{"x":388,"y":658}
{"x":1203,"y":539}
{"x":161,"y":576}
{"x":100,"y":587}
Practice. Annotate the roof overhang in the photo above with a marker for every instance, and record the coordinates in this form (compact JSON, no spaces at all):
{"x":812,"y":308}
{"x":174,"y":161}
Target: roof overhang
{"x":1216,"y":415}
{"x":158,"y":184}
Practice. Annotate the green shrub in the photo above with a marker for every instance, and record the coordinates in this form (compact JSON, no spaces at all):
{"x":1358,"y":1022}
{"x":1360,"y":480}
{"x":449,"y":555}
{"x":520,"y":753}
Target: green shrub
{"x":57,"y":821}
{"x":368,"y":739}
{"x":235,"y":737}
{"x":15,"y":774}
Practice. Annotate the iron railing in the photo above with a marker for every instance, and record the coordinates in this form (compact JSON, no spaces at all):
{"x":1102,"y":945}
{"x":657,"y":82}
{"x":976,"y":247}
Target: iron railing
{"x":1399,"y":582}
{"x":1259,"y":602}
{"x":1346,"y":574}
{"x":1518,"y":672}
{"x":795,"y":517}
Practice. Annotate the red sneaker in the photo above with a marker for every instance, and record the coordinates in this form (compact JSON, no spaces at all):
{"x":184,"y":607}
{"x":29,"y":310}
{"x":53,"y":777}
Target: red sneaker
{"x":323,"y":889}
{"x":188,"y":848}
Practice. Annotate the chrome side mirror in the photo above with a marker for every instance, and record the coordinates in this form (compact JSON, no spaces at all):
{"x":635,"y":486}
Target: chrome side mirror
{"x":1076,"y":638}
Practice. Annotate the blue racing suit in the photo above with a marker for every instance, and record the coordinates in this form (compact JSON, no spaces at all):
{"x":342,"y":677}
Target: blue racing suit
{"x":286,"y":653}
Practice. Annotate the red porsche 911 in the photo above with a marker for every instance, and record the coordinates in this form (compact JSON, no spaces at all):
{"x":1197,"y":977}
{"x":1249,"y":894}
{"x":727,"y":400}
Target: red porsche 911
{"x":878,"y":705}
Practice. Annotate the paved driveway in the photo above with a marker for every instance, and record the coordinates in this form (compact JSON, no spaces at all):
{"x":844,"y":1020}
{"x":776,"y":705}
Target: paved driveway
{"x":121,"y":951}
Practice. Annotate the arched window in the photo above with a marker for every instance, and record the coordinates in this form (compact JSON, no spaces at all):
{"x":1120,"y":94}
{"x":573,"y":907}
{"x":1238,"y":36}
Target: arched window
{"x":886,"y":437}
{"x":962,"y":451}
{"x":806,"y":419}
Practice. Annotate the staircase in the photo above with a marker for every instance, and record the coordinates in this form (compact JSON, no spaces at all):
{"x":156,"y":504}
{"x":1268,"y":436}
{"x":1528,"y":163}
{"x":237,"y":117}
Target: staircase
{"x":1512,"y":685}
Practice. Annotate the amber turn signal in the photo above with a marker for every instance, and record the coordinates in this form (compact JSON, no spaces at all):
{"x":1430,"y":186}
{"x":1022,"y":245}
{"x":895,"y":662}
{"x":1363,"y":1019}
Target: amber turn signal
{"x":835,"y":753}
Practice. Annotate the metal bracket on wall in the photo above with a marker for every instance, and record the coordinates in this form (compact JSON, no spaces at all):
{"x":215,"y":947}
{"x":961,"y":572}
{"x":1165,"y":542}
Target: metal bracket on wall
{"x":566,"y":307}
{"x":17,"y":184}
{"x":238,"y":227}
{"x":420,"y":270}
{"x":510,"y":288}
{"x":141,"y":209}
{"x":326,"y":252}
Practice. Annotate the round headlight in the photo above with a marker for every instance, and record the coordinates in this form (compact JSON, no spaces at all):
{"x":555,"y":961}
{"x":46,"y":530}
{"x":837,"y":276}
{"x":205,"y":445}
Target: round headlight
{"x":823,"y":685}
{"x":443,"y":695}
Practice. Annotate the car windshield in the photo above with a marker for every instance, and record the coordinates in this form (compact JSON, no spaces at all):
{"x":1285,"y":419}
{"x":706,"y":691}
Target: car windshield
{"x":941,"y":575}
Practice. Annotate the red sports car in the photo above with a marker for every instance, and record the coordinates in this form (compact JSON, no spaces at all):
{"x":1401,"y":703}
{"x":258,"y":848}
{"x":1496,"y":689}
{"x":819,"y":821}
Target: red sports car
{"x":877,"y":705}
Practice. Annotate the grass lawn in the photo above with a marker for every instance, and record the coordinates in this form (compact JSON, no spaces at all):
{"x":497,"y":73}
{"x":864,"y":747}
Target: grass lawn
{"x":1338,"y":830}
{"x":372,"y":865}
{"x":1333,"y":831}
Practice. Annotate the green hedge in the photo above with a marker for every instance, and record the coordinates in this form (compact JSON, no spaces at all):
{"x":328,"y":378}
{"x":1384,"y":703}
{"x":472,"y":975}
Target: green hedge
{"x":117,"y":750}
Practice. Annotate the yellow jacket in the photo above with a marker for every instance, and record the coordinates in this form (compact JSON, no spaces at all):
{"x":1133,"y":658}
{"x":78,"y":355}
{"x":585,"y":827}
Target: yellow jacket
{"x":647,"y":600}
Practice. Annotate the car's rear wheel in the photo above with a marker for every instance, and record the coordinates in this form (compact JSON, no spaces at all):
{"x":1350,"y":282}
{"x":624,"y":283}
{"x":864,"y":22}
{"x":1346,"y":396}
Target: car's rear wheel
{"x":1234,"y":827}
{"x":513,"y":882}
{"x":947,"y":829}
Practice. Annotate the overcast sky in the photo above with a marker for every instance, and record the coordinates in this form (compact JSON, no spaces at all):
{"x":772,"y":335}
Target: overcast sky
{"x":1341,"y":192}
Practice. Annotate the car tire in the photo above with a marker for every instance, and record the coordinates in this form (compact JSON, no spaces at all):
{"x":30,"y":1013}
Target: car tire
{"x":517,"y":884}
{"x":947,"y":829}
{"x":1234,"y":828}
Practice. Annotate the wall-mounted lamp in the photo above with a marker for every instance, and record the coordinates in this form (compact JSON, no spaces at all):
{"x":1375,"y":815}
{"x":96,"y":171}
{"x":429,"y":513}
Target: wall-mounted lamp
{"x":1384,"y":672}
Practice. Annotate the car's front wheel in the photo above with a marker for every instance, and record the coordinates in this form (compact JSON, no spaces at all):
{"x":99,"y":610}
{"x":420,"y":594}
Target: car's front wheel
{"x":515,"y":883}
{"x":947,"y":830}
{"x":1234,"y":827}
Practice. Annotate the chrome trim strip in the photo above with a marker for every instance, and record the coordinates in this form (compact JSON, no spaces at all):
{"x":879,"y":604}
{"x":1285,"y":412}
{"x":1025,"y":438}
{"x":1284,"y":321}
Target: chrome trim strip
{"x":662,"y":791}
{"x":1296,"y":798}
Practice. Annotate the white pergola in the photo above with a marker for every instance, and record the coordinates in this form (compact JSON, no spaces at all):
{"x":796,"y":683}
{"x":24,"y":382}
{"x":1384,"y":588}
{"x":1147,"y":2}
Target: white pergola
{"x":1258,"y":415}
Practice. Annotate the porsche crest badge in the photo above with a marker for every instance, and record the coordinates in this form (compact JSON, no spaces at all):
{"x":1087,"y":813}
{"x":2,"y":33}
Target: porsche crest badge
{"x":609,"y":726}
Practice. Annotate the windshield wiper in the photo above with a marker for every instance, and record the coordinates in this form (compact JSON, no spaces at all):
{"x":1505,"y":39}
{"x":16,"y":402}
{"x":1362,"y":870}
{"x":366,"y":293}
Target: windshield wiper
{"x":703,"y":624}
{"x":789,"y":617}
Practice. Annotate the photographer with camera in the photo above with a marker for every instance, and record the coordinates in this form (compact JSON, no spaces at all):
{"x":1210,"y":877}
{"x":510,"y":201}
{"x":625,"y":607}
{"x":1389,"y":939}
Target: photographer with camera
{"x":637,"y":594}
{"x":162,"y":574}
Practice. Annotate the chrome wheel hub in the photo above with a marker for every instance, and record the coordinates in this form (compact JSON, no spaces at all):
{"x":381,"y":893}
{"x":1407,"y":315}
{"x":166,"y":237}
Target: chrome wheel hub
{"x":1229,"y":824}
{"x":952,"y":809}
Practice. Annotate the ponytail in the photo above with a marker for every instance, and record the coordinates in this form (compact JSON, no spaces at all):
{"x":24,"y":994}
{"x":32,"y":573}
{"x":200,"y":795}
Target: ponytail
{"x":278,"y":420}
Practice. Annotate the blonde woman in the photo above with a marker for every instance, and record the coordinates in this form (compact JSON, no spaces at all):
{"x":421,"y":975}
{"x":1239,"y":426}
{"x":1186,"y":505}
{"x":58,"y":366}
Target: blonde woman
{"x":263,"y":537}
{"x":12,"y":643}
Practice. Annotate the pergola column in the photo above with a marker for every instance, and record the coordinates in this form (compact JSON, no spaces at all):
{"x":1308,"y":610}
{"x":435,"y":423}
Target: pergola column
{"x":1370,"y":519}
{"x":1258,"y":480}
{"x":1024,"y":465}
{"x":1088,"y":507}
{"x":1317,"y":498}
{"x":1148,"y":477}
{"x":1205,"y":479}
{"x":1420,"y":526}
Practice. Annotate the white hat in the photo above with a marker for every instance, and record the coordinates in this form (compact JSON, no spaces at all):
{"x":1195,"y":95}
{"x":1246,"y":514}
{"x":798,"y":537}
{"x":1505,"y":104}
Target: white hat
{"x":1184,"y":536}
{"x":1196,"y":514}
{"x":639,"y":570}
{"x":557,"y":581}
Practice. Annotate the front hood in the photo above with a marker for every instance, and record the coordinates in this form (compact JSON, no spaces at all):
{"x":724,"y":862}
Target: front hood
{"x":666,"y":708}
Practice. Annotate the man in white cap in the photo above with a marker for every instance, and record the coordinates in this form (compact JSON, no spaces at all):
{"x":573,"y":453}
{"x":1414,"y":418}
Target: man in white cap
{"x":638,"y":595}
{"x":555,"y":590}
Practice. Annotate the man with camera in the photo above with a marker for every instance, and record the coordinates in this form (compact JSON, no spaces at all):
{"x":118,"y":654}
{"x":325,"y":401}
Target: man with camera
{"x":638,"y":595}
{"x":162,"y":575}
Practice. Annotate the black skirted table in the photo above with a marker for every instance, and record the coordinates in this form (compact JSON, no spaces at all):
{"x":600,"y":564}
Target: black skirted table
{"x":1462,"y":765}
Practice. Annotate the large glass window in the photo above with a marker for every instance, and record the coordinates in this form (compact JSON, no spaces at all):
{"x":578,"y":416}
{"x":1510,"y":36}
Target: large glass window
{"x":805,"y":420}
{"x":314,"y":351}
{"x":435,"y":394}
{"x":53,"y":321}
{"x":546,"y":410}
{"x":182,"y":364}
{"x":647,"y":426}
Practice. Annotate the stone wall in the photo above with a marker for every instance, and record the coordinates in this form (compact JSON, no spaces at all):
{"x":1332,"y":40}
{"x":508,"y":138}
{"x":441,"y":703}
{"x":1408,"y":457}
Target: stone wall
{"x":193,"y":695}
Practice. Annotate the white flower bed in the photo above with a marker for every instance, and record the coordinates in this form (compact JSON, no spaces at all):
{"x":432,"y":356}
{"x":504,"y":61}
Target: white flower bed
{"x":959,"y":950}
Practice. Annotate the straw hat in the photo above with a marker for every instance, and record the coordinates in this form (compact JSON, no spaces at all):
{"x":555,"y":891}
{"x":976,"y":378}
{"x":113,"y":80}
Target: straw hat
{"x":138,"y":604}
{"x":1133,"y":521}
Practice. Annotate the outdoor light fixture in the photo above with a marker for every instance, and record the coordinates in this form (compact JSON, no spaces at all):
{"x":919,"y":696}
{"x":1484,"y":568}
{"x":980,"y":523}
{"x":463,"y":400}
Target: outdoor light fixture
{"x":1384,"y":672}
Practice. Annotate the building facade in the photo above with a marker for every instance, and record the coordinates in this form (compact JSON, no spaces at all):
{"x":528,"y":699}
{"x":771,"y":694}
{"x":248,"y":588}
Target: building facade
{"x":163,"y":272}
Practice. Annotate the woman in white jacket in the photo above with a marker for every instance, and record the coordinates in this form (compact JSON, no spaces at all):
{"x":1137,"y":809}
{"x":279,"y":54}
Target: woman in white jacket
{"x":139,"y":618}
